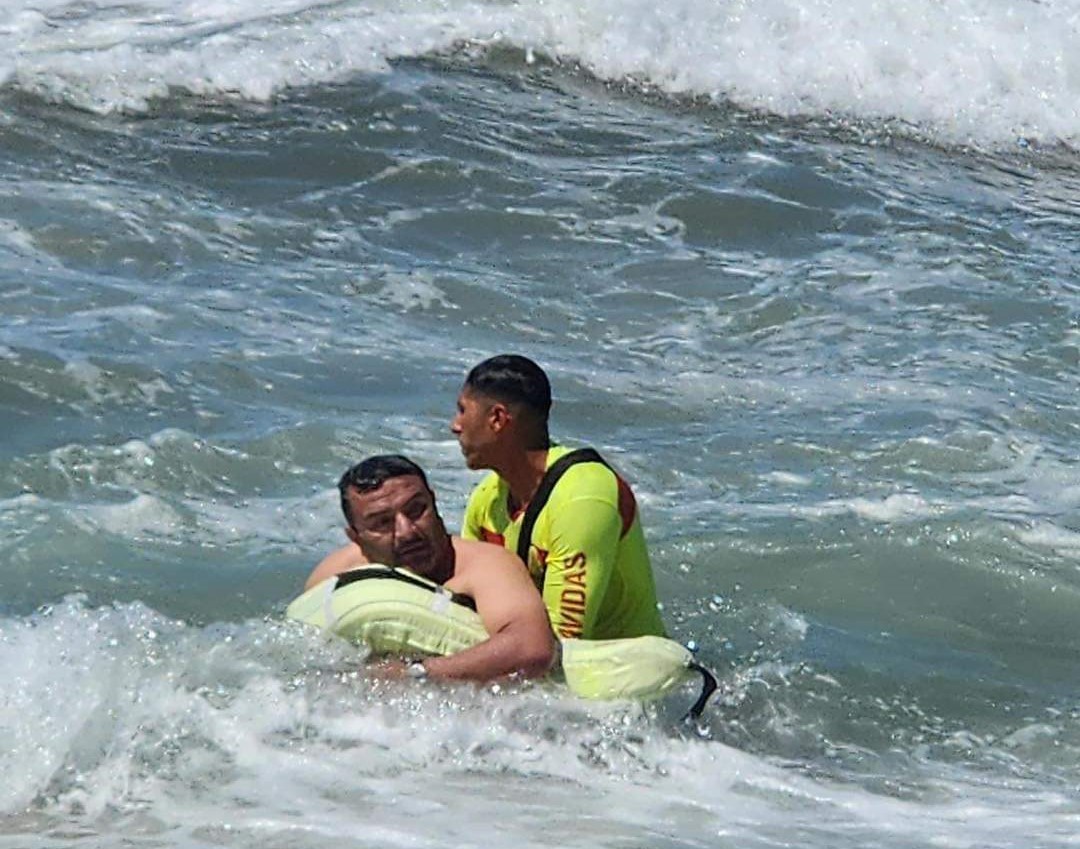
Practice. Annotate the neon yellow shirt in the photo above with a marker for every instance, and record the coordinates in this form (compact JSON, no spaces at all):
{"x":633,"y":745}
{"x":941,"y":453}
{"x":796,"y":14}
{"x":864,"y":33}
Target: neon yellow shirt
{"x":587,"y":554}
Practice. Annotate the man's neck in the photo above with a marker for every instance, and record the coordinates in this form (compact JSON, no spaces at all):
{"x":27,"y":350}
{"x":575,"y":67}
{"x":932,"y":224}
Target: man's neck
{"x":445,"y":564}
{"x":523,"y":473}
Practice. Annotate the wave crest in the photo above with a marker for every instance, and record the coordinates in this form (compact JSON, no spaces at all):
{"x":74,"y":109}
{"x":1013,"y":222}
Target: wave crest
{"x":982,"y":71}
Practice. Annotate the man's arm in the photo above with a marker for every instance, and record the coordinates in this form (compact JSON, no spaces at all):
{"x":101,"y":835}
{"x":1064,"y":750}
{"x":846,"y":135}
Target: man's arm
{"x":512,"y":611}
{"x":336,"y":562}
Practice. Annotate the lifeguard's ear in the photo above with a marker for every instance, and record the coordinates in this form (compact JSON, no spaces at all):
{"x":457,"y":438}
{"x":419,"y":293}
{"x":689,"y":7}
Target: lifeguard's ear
{"x":499,"y":416}
{"x":352,"y":535}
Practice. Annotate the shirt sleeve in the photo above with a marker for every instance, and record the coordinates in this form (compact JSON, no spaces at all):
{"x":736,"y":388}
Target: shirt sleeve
{"x":470,"y":523}
{"x":584,"y":541}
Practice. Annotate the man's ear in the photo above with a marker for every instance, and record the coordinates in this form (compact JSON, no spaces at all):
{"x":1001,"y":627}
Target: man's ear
{"x":499,"y":416}
{"x":353,"y":536}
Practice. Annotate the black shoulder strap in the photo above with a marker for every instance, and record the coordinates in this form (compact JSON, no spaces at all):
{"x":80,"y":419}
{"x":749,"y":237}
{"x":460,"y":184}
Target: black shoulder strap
{"x":396,"y":573}
{"x":543,"y":493}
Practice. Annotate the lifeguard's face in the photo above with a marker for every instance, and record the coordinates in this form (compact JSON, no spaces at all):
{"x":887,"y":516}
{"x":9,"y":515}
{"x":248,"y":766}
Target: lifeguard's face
{"x":476,"y":426}
{"x":397,"y":524}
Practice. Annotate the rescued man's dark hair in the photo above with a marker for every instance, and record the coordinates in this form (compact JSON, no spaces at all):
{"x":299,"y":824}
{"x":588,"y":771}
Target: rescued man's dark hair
{"x":373,"y":472}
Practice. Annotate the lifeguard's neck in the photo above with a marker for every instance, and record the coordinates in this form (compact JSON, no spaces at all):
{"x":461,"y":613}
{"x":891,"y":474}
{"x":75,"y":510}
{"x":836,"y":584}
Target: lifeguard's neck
{"x":523,"y":471}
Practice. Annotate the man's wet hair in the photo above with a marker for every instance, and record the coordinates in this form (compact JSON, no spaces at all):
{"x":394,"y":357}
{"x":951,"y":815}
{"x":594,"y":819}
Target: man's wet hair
{"x":371,"y":473}
{"x":512,"y":379}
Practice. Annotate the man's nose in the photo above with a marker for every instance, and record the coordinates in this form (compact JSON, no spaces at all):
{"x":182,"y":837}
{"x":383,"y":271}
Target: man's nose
{"x":404,"y":527}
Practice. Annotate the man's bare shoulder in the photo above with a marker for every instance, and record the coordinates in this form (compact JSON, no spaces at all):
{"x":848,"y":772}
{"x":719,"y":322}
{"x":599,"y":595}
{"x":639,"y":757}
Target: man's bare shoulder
{"x":482,"y":556}
{"x":341,"y":560}
{"x":497,"y":580}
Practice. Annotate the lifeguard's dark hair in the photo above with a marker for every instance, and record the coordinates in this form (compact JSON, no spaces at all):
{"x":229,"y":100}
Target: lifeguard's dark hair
{"x":373,"y":472}
{"x":513,"y":379}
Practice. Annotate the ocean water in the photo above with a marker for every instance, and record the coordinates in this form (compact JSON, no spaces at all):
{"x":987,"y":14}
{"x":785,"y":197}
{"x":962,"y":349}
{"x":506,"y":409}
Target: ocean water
{"x":807,"y":273}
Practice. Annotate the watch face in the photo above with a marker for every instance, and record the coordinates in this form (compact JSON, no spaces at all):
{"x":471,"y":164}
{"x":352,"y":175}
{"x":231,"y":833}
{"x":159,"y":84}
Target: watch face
{"x":416,"y":669}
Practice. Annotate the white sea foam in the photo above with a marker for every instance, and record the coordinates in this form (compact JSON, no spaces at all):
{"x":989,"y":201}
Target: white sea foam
{"x":1045,"y":534}
{"x":16,"y":238}
{"x":257,"y":732}
{"x":988,"y":71}
{"x":898,"y":507}
{"x":142,"y":516}
{"x":787,"y":478}
{"x":415,"y":290}
{"x":100,"y":386}
{"x":313,"y":522}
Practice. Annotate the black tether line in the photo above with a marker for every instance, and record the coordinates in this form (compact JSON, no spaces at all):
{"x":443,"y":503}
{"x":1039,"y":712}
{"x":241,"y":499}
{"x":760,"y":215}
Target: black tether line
{"x":708,"y":687}
{"x":365,"y":572}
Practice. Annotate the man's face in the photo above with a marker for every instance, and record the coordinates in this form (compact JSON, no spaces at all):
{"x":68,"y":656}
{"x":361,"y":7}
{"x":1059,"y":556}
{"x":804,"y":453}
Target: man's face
{"x":397,"y":524}
{"x":473,"y":427}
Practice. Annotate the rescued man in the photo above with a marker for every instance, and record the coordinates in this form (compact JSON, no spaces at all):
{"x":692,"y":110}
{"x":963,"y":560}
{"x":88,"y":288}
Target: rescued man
{"x":587,"y":551}
{"x":391,"y":518}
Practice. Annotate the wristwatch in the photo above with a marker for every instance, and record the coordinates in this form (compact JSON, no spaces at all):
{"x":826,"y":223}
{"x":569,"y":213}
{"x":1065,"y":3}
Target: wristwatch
{"x":416,"y":670}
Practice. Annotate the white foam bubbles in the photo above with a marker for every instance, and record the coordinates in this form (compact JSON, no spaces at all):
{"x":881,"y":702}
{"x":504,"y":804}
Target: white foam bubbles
{"x":983,"y":71}
{"x":138,"y":518}
{"x":100,"y":386}
{"x":1046,"y":534}
{"x":896,"y":507}
{"x":243,"y":733}
{"x":901,"y":506}
{"x":1017,"y":62}
{"x":60,"y":669}
{"x":120,"y":57}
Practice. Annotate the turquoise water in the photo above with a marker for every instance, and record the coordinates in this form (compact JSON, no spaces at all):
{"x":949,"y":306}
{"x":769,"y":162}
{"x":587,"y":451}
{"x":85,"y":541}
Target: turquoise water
{"x":821,"y":305}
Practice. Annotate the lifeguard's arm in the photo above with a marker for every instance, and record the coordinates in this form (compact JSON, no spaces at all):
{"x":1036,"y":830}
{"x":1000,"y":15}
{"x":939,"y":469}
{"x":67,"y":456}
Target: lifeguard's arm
{"x":584,"y":544}
{"x":512,"y":611}
{"x":345,"y":558}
